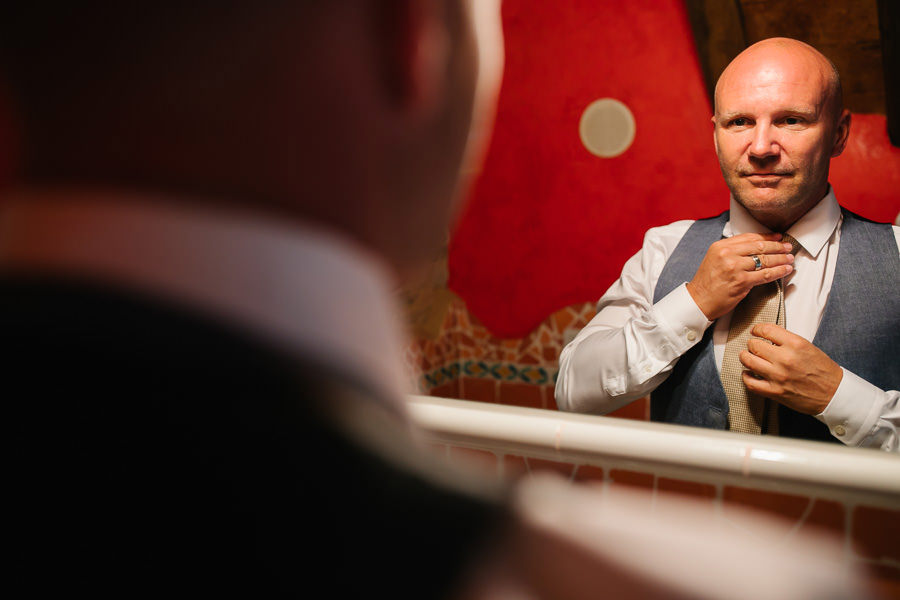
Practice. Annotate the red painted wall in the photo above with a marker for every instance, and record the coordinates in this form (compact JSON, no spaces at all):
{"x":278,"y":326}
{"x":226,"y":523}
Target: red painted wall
{"x":866,"y":177}
{"x":549,"y":224}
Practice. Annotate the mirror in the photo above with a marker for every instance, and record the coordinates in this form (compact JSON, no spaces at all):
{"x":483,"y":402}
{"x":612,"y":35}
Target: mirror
{"x":558,"y":209}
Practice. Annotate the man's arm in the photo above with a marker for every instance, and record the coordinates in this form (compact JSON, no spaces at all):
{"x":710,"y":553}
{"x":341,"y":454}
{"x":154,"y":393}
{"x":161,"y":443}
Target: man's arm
{"x":627,"y":350}
{"x":632,"y":345}
{"x":792,"y":371}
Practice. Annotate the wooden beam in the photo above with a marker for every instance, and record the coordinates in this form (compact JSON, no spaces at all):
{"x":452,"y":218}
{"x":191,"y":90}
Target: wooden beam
{"x":718,"y":29}
{"x":846,"y":31}
{"x":889,"y":25}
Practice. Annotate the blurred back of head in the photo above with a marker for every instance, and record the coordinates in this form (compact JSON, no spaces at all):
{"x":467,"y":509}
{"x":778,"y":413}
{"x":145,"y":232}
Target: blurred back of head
{"x":353,"y":115}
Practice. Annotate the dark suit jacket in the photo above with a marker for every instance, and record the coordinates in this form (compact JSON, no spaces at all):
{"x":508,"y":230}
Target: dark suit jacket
{"x":155,"y":451}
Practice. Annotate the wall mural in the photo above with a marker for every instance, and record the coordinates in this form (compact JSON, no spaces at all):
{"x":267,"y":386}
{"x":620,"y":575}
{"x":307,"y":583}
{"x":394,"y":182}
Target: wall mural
{"x":550,"y":223}
{"x":568,"y":189}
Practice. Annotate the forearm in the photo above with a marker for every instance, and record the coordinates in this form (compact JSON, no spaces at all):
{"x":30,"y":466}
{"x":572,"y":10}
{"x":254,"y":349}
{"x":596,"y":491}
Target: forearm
{"x":624,"y":353}
{"x":595,"y":376}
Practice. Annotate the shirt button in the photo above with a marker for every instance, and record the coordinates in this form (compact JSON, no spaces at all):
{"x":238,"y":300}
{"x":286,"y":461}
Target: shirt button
{"x":839,"y":430}
{"x":691,"y":335}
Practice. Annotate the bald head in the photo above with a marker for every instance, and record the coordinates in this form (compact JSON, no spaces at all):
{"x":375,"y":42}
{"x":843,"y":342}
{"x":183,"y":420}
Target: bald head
{"x":764,"y":61}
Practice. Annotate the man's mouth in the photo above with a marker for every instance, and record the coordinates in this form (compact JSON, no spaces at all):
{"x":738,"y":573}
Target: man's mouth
{"x":765,"y":173}
{"x":765,"y":178}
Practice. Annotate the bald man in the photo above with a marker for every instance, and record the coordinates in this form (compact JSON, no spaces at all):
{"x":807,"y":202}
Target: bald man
{"x":822,"y":368}
{"x":202,"y":380}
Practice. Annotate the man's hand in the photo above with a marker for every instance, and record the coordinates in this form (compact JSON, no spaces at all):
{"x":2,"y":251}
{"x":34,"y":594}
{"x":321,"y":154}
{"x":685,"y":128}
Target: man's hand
{"x":728,"y":271}
{"x":790,"y":370}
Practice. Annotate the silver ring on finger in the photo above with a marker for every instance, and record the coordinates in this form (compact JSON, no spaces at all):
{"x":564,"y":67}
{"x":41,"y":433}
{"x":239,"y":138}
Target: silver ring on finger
{"x":758,"y":263}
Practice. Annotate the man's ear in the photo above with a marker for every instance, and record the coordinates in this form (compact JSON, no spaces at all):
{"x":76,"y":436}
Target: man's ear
{"x":715,"y":139}
{"x":841,"y":133}
{"x":417,"y":50}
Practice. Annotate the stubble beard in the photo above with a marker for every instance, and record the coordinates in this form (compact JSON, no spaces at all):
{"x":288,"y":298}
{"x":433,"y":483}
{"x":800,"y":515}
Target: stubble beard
{"x":775,"y":206}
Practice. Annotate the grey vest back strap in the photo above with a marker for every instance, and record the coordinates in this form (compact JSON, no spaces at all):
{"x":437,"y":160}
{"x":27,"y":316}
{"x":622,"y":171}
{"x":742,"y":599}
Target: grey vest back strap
{"x":860,"y":327}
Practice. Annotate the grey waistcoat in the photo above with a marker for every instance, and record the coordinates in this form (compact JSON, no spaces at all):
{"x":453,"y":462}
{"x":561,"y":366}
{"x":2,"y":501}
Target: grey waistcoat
{"x":860,"y":328}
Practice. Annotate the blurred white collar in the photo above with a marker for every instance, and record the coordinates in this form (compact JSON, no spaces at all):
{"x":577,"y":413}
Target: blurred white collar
{"x":315,"y":294}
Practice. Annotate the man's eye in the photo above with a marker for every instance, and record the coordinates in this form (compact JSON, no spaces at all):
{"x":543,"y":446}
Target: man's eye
{"x":739,"y":122}
{"x":793,"y":120}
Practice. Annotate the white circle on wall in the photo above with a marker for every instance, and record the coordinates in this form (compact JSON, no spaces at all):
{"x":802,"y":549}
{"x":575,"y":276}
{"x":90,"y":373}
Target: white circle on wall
{"x":606,"y":128}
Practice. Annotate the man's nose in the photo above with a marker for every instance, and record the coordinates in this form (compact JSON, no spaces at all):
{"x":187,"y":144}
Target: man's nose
{"x":764,"y":143}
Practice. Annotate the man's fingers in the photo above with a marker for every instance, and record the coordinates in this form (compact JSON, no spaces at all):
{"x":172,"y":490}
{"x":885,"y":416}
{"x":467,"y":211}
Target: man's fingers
{"x":774,"y":333}
{"x":762,"y":349}
{"x":763,"y":387}
{"x":755,"y":237}
{"x":761,"y":247}
{"x":728,"y":272}
{"x":769,"y":260}
{"x":766,"y":275}
{"x":757,"y":364}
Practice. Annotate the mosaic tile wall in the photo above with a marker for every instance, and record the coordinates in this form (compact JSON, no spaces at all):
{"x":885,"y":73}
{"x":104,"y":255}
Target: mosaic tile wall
{"x":465,"y":361}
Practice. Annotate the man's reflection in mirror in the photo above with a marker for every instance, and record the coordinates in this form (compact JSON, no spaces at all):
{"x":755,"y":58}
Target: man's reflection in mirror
{"x":777,"y":317}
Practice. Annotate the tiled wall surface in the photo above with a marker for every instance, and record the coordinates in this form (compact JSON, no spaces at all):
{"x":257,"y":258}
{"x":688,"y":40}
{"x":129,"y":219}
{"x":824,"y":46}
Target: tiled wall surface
{"x":467,"y":362}
{"x":870,"y":535}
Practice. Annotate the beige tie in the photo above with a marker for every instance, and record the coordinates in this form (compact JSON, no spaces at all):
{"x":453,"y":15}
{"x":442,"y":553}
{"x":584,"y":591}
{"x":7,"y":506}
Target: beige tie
{"x":764,"y":304}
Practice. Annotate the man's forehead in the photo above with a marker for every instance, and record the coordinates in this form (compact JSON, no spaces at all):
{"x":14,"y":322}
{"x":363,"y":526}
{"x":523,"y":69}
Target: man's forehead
{"x":773,"y":67}
{"x":784,"y":52}
{"x":777,"y":78}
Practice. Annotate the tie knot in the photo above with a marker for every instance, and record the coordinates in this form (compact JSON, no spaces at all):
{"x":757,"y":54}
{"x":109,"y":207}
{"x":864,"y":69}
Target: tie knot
{"x":788,"y":239}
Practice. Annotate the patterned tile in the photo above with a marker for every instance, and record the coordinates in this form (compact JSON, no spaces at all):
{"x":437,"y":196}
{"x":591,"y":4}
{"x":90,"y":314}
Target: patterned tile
{"x":535,"y":375}
{"x":504,"y":372}
{"x":465,"y":348}
{"x":476,"y":369}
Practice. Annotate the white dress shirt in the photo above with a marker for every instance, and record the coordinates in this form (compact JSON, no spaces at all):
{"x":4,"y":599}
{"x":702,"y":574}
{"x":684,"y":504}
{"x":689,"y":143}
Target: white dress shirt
{"x":631,"y":345}
{"x":313,"y":294}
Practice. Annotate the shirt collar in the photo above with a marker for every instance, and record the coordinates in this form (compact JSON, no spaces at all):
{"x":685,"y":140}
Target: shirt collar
{"x":316,"y":294}
{"x":812,"y":230}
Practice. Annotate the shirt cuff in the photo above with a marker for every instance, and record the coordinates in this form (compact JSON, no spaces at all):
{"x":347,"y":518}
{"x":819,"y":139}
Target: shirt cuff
{"x":681,"y":317}
{"x":854,"y":410}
